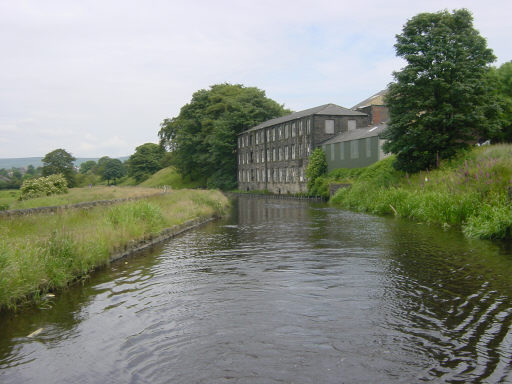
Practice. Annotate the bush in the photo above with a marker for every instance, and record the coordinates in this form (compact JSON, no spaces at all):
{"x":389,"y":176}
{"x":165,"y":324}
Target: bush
{"x":317,"y":166}
{"x":43,"y":186}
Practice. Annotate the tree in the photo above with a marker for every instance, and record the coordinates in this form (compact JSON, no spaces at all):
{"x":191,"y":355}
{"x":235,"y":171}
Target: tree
{"x":317,"y":166}
{"x":145,"y":161}
{"x":113,"y":169}
{"x":440,"y":101}
{"x":59,"y":161}
{"x":87,"y":166}
{"x":501,"y":79}
{"x":203,"y":136}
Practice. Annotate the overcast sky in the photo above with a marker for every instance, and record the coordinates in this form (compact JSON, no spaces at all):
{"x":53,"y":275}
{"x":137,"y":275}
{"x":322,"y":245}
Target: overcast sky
{"x":97,"y":77}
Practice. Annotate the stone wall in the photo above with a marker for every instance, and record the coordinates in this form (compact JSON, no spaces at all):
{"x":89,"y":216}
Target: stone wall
{"x":59,"y":208}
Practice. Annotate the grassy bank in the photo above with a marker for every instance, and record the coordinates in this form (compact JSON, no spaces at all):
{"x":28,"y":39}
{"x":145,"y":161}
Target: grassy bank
{"x":45,"y":252}
{"x":75,"y":195}
{"x":470,"y":192}
{"x":171,"y":178}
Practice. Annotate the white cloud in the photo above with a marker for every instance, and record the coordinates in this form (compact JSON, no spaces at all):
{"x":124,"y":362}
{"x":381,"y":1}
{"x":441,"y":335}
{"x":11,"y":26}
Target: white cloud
{"x":89,"y":72}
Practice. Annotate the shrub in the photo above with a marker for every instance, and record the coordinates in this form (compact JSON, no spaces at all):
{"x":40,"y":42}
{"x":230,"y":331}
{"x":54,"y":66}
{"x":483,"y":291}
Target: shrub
{"x":317,"y":166}
{"x":43,"y":186}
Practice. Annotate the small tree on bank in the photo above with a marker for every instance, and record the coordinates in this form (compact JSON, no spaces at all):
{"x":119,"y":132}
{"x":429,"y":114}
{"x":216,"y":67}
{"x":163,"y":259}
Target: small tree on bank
{"x":317,"y":166}
{"x":59,"y":161}
{"x":441,"y":100}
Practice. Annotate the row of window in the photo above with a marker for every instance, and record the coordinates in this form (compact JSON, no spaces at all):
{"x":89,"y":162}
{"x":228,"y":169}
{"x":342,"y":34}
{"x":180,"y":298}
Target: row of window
{"x":276,"y":133}
{"x":354,"y":149}
{"x":274,"y":175}
{"x":275,"y":154}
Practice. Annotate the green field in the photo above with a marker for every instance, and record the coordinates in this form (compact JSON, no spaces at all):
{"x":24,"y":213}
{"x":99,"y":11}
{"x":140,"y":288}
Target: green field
{"x":75,"y":195}
{"x":46,"y":251}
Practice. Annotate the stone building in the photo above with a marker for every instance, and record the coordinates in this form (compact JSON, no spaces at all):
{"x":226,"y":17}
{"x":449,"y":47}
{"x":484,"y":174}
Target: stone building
{"x":273,"y":155}
{"x":375,"y":108}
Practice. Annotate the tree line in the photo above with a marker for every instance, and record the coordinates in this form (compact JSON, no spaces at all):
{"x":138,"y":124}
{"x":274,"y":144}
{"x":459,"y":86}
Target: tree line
{"x":446,"y":98}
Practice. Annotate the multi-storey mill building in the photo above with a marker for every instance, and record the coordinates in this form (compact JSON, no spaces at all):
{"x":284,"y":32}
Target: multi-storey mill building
{"x":274,"y":154}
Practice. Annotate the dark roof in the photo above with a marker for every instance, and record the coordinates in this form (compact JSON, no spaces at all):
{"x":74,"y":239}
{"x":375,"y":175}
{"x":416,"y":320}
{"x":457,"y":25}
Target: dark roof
{"x":377,"y":99}
{"x":326,"y":109}
{"x":358,"y":133}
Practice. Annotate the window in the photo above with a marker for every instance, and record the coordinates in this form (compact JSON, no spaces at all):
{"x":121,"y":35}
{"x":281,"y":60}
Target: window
{"x":299,"y":152}
{"x":293,"y":151}
{"x":286,"y":131}
{"x":354,"y":149}
{"x":268,"y":174}
{"x":274,"y":158}
{"x":342,"y":151}
{"x":331,"y":148}
{"x":329,"y":127}
{"x":351,"y":125}
{"x":273,"y":134}
{"x":239,"y":157}
{"x":280,"y":156}
{"x":308,"y":127}
{"x":300,"y":128}
{"x":286,"y":153}
{"x":280,"y":132}
{"x":268,"y":156}
{"x":262,"y":156}
{"x":368,"y":147}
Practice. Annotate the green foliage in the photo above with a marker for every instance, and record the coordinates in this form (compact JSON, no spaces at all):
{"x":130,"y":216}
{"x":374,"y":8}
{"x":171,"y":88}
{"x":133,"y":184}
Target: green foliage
{"x":87,"y":166}
{"x":59,"y":161}
{"x":113,"y":169}
{"x":170,"y":177}
{"x":43,"y":186}
{"x":501,"y":79}
{"x":491,"y":221}
{"x":470,"y":191}
{"x":143,"y":213}
{"x":442,"y":99}
{"x":146,"y":161}
{"x":203,"y":137}
{"x":317,"y":166}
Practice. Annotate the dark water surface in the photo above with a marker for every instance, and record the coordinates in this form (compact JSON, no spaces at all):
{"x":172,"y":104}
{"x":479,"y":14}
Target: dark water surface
{"x":282,"y":292}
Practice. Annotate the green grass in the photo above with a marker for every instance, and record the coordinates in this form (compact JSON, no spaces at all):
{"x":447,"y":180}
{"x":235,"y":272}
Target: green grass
{"x":74,"y":196}
{"x":469,"y":191}
{"x":171,"y":178}
{"x":45,"y":252}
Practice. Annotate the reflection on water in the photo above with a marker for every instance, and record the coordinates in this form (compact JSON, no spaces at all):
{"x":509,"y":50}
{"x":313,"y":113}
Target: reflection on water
{"x":282,"y":292}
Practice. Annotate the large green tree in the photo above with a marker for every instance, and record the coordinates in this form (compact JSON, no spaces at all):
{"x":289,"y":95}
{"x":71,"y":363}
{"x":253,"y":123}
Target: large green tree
{"x":146,"y":160}
{"x":441,"y":100}
{"x":203,"y":136}
{"x":113,"y":169}
{"x":59,"y":161}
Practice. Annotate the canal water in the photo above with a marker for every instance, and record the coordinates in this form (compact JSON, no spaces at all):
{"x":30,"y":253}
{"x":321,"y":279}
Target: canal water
{"x":281,"y":292}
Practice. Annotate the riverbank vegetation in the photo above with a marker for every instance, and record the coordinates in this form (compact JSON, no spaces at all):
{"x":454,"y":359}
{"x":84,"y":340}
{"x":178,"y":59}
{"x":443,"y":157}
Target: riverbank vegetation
{"x":10,"y":199}
{"x":40,"y":253}
{"x":170,"y":177}
{"x":472,"y":191}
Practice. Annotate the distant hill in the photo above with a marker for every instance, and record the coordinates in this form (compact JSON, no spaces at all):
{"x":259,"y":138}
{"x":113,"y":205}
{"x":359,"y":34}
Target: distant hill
{"x":22,"y":162}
